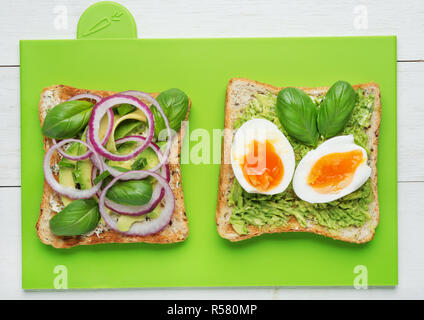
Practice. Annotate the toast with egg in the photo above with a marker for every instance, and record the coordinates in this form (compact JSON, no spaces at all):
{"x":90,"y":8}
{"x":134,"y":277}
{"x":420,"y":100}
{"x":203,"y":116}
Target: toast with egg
{"x":239,"y":92}
{"x":51,"y":203}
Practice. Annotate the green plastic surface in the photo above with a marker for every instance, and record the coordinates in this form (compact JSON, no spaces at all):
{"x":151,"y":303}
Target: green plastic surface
{"x":106,"y":20}
{"x":202,"y":68}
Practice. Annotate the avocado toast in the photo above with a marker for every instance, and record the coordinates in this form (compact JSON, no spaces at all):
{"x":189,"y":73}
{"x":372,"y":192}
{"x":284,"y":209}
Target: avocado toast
{"x":52,"y":202}
{"x":241,"y":215}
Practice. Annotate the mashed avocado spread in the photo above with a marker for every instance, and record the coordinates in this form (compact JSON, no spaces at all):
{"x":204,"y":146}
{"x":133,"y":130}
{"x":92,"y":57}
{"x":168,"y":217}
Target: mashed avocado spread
{"x":276,"y":210}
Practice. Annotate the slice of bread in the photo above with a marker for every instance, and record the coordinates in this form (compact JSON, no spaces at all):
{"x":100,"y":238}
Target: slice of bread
{"x":51,"y":203}
{"x":239,"y":93}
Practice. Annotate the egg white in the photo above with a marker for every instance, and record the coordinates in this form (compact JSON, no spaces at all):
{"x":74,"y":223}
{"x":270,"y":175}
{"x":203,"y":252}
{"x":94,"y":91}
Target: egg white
{"x":262,"y":130}
{"x":337,"y":144}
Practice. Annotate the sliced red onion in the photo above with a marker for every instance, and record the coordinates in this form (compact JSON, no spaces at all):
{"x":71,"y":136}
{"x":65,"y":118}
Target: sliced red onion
{"x":163,"y":161}
{"x":158,"y":191}
{"x":157,"y":196}
{"x":146,"y":227}
{"x":99,"y":111}
{"x":97,"y":161}
{"x":70,"y":157}
{"x":164,"y":166}
{"x":143,"y":96}
{"x":109,"y":127}
{"x":87,"y":95}
{"x":105,"y":138}
{"x":69,"y":192}
{"x":94,"y":170}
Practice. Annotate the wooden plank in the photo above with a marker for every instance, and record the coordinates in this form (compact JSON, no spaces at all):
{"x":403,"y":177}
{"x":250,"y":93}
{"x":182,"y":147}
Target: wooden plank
{"x":47,"y":19}
{"x":21,"y":19}
{"x":410,"y":113}
{"x":411,"y":264}
{"x":10,"y":162}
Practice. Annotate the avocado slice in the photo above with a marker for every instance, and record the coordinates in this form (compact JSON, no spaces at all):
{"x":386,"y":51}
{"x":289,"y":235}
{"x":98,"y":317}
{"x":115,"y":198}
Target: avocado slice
{"x":78,"y":173}
{"x":151,"y":157}
{"x":66,"y":178}
{"x":137,"y":115}
{"x":84,"y":168}
{"x":125,"y":222}
{"x":75,"y":173}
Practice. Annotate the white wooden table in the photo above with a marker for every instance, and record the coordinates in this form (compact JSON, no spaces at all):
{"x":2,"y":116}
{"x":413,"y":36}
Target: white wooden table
{"x":56,"y":19}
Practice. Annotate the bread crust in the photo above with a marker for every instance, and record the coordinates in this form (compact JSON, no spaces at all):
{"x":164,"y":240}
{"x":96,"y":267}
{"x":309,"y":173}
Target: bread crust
{"x":223,"y":212}
{"x":177,"y":229}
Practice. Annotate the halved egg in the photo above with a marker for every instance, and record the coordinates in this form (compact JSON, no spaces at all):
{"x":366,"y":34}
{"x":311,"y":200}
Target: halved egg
{"x":262,"y":158}
{"x":336,"y":168}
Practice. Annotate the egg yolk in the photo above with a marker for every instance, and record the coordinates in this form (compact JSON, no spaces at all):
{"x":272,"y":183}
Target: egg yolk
{"x":334,"y":171}
{"x":262,"y":166}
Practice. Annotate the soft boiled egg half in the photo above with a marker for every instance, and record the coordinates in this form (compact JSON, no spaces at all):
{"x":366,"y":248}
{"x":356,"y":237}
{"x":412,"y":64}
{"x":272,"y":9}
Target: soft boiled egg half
{"x":334,"y":169}
{"x":262,"y":158}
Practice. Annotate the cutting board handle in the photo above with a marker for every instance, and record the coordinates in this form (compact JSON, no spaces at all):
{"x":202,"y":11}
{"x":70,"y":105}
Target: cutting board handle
{"x":106,"y":20}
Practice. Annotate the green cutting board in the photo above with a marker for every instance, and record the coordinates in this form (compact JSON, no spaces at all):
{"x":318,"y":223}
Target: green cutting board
{"x":202,"y":68}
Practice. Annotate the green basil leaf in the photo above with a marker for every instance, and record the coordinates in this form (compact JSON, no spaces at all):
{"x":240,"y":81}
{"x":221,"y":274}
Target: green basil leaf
{"x":298,"y":115}
{"x":121,"y":169}
{"x":74,"y":149}
{"x":126,"y":127}
{"x":336,"y":109}
{"x":78,"y":217}
{"x":67,"y":119}
{"x":174,"y":103}
{"x":66,"y":164}
{"x":139,"y":164}
{"x":132,"y":192}
{"x":125,"y":108}
{"x":102,"y":176}
{"x":76,"y":175}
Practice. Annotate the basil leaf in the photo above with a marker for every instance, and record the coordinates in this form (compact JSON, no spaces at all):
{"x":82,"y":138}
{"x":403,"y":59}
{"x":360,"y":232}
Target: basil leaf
{"x":132,"y":192}
{"x":174,"y":103}
{"x":67,"y":119}
{"x":336,"y":109}
{"x":78,"y":217}
{"x":298,"y":115}
{"x":139,"y":163}
{"x":76,"y":176}
{"x":102,"y":176}
{"x":126,"y":127}
{"x":74,"y":149}
{"x":125,"y":108}
{"x":66,"y":164}
{"x":121,"y":169}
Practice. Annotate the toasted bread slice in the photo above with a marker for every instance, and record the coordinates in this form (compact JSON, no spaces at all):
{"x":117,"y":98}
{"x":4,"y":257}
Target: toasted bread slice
{"x":51,"y":203}
{"x":239,"y":93}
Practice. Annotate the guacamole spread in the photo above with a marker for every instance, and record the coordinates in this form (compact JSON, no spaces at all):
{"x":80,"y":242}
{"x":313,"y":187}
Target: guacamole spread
{"x":276,"y":210}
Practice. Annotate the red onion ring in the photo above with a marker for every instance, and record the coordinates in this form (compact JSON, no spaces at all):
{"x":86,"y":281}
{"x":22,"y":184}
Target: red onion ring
{"x":73,"y":158}
{"x":87,"y":95}
{"x":157,"y":196}
{"x":97,"y":114}
{"x":147,"y":97}
{"x":158,"y":191}
{"x":146,"y":227}
{"x":69,"y":192}
{"x":105,"y":138}
{"x":94,"y":170}
{"x":163,"y":163}
{"x":164,"y":169}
